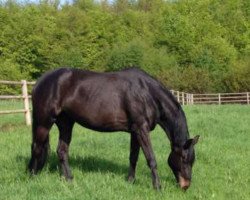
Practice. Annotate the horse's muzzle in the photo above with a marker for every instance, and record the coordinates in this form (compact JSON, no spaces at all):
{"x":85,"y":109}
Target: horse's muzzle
{"x":184,"y":183}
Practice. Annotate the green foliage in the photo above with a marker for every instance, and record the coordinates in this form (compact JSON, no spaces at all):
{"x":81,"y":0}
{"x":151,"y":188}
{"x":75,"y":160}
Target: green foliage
{"x":125,"y":56}
{"x":8,"y":71}
{"x":237,"y":79}
{"x":172,"y":40}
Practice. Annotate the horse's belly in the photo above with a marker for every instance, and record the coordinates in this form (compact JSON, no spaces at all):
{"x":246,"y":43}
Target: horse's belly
{"x":104,"y":125}
{"x":102,"y":119}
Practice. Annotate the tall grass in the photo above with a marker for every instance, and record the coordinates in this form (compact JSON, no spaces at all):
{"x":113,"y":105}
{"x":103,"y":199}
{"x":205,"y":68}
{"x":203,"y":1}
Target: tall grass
{"x":99,"y":162}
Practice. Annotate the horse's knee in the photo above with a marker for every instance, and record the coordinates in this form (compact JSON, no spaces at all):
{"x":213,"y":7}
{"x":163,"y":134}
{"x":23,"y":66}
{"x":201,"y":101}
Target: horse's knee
{"x":61,"y":155}
{"x":62,"y":151}
{"x":152,"y":164}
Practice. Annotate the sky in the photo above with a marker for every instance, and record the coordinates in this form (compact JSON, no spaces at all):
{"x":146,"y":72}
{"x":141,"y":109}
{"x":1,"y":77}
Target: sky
{"x":35,"y":1}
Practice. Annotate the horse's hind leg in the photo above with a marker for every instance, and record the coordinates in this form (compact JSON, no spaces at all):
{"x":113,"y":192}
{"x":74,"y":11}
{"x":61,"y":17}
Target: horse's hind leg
{"x":65,"y":125}
{"x":39,"y":148}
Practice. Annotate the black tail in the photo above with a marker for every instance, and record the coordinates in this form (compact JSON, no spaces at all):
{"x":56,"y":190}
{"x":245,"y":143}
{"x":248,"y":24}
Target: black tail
{"x":39,"y":147}
{"x":38,"y":157}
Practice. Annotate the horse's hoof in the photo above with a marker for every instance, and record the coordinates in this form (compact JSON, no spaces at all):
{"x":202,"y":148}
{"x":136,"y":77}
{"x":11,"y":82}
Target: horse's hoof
{"x":157,"y":187}
{"x":31,"y":171}
{"x":69,"y":178}
{"x":131,"y":179}
{"x":32,"y":174}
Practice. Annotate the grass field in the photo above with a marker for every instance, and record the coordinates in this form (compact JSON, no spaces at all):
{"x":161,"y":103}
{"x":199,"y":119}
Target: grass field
{"x":99,"y":162}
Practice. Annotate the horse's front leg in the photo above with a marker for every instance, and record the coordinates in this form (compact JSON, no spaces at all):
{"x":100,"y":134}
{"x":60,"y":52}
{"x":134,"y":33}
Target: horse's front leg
{"x":134,"y":153}
{"x":145,"y":143}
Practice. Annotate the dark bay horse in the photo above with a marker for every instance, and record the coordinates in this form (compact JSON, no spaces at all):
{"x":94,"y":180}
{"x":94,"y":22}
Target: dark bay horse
{"x":128,"y":100}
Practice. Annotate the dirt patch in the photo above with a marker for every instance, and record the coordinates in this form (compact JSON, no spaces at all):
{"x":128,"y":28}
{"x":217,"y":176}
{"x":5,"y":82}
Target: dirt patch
{"x":10,"y":127}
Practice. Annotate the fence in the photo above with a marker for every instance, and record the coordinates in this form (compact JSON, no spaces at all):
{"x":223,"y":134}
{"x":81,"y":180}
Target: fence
{"x":213,"y":98}
{"x":24,"y":97}
{"x":182,"y":97}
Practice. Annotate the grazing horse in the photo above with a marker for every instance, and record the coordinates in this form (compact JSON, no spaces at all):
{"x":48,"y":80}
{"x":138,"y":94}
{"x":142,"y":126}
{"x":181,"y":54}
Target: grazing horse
{"x":128,"y":100}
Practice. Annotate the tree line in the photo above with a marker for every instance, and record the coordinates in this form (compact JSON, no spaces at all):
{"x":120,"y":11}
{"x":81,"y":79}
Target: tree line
{"x":195,"y":46}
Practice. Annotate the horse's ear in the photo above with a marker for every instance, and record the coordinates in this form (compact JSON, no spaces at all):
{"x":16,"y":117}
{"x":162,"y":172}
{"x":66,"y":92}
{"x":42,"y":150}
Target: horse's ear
{"x":195,"y":139}
{"x":191,"y":142}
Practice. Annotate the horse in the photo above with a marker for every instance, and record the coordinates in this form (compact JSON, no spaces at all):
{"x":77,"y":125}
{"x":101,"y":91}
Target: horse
{"x":129,"y":100}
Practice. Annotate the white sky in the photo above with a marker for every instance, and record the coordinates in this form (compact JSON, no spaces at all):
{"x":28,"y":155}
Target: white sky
{"x":35,"y":1}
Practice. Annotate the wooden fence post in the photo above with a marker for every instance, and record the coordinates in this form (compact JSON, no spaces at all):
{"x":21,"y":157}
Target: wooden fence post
{"x":178,"y":96}
{"x":248,"y":98}
{"x":26,"y":102}
{"x":192,"y":99}
{"x":219,"y":97}
{"x":183,"y":100}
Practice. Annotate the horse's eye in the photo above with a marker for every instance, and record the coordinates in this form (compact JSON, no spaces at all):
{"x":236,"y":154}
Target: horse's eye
{"x":184,"y":156}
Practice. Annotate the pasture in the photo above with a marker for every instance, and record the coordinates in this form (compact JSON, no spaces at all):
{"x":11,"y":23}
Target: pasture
{"x":99,"y":162}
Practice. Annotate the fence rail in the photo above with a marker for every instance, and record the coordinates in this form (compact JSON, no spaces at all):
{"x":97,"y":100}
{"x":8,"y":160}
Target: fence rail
{"x":212,"y":98}
{"x":182,"y":97}
{"x":24,"y":96}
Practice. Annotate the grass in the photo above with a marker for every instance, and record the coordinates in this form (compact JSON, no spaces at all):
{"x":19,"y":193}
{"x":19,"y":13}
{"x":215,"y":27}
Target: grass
{"x":99,"y":162}
{"x":11,"y":104}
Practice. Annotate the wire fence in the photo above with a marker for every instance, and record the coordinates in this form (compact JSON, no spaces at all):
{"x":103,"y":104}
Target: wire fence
{"x":15,"y":98}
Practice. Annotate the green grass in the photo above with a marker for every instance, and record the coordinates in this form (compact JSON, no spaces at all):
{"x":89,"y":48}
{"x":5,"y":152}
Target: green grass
{"x":11,"y":104}
{"x":99,"y":162}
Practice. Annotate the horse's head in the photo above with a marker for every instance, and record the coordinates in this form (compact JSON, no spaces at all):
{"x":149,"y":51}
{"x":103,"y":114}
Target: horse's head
{"x":181,"y":160}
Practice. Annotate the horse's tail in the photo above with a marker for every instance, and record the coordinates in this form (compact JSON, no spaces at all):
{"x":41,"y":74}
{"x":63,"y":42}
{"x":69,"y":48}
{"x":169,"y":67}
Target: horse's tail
{"x":40,"y":144}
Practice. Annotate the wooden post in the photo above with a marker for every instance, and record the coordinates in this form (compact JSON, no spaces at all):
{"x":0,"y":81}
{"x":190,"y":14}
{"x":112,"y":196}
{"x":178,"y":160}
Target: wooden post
{"x":26,"y":102}
{"x":178,"y":96}
{"x":219,"y":98}
{"x":183,"y":100}
{"x":192,"y":99}
{"x":248,"y":98}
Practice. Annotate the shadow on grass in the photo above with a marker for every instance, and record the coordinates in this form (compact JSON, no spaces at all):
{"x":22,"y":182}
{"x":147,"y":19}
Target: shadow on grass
{"x":86,"y":164}
{"x":95,"y":164}
{"x":8,"y":127}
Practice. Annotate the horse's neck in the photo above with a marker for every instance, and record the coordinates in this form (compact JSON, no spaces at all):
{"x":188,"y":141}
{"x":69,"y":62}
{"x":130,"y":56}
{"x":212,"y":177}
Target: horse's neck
{"x":173,"y":121}
{"x":180,"y":134}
